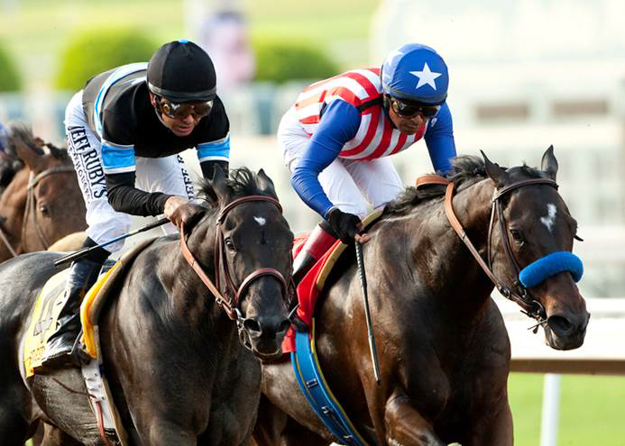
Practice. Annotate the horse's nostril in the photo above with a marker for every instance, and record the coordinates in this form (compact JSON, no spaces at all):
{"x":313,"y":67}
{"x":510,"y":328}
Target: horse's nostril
{"x":560,"y":325}
{"x":252,"y":325}
{"x":284,"y":326}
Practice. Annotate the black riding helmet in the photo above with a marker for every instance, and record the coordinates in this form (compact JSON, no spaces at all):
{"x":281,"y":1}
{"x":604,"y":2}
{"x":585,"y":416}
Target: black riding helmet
{"x":181,"y":71}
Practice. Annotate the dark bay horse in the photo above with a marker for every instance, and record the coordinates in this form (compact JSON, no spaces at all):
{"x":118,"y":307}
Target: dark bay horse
{"x":41,"y":200}
{"x":444,"y":353}
{"x":182,"y":370}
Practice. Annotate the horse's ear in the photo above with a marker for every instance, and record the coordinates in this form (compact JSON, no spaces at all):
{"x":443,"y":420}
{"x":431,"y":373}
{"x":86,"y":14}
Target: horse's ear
{"x":22,"y":141}
{"x":494,"y":172}
{"x":219,"y":186}
{"x":266,"y":184}
{"x":549,"y":163}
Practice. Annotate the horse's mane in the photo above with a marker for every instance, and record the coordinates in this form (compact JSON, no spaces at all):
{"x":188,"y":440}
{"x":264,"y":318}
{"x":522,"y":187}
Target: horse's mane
{"x":465,"y":171}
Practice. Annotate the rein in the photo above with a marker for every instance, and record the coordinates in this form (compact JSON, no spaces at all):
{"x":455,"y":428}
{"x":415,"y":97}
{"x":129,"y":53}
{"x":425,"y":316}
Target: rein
{"x":30,"y":206}
{"x":231,"y":304}
{"x":522,"y":297}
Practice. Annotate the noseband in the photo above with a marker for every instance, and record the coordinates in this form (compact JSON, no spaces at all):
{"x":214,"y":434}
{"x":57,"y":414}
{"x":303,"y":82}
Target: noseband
{"x":31,"y":207}
{"x":231,"y":304}
{"x":518,"y":293}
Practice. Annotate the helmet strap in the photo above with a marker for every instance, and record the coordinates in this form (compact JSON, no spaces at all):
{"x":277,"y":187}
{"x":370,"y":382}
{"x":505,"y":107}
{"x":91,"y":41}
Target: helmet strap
{"x":158,"y":115}
{"x":385,"y":102}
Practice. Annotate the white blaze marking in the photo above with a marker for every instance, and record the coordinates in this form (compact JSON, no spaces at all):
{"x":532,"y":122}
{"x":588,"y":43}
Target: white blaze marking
{"x":550,"y":219}
{"x":260,"y":220}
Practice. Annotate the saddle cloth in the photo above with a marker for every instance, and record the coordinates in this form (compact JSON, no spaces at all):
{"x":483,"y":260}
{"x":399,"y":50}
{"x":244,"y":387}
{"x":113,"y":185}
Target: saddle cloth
{"x":313,"y":282}
{"x":51,"y":299}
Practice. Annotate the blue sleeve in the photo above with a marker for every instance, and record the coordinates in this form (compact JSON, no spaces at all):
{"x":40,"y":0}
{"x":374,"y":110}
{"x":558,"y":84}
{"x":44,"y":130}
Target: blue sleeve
{"x":339,"y":124}
{"x":215,"y":150}
{"x":440,"y":140}
{"x":117,"y":158}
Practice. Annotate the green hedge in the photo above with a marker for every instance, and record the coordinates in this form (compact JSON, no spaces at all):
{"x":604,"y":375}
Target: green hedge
{"x":10,"y":79}
{"x":95,"y":51}
{"x":281,"y":61}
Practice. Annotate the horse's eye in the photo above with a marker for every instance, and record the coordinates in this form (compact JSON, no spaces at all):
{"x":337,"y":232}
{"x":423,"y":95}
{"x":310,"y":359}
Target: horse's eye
{"x":229,"y":244}
{"x":44,"y":209}
{"x":517,"y":235}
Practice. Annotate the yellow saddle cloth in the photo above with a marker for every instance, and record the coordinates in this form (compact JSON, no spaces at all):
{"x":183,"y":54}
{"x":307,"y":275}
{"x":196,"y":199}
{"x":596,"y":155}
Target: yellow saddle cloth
{"x":49,"y":304}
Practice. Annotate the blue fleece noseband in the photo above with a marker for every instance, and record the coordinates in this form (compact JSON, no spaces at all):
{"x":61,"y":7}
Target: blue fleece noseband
{"x":550,"y":265}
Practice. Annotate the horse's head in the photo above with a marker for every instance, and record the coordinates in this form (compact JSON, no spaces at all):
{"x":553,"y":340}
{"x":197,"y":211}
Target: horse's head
{"x":48,"y":203}
{"x":253,"y":258}
{"x":532,"y":233}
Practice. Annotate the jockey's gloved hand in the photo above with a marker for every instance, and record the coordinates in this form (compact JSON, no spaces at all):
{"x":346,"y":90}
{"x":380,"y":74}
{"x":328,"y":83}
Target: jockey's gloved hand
{"x":345,"y":225}
{"x":179,"y":211}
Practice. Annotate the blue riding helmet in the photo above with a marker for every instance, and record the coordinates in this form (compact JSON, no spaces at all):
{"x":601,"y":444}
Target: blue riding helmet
{"x":415,"y":73}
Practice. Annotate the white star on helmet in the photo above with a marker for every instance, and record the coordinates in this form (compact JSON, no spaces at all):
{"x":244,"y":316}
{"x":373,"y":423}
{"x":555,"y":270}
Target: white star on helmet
{"x":426,"y":77}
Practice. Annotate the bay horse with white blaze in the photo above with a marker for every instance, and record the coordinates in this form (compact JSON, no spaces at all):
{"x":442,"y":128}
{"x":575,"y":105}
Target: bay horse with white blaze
{"x":182,"y":370}
{"x":443,"y":349}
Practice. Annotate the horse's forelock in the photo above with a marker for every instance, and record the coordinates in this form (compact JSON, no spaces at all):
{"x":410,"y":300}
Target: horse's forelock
{"x":242,"y":182}
{"x":525,"y":171}
{"x":58,"y":153}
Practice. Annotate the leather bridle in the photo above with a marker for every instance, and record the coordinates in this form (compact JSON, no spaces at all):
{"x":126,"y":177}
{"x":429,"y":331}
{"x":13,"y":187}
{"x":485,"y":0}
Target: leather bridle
{"x":31,"y":207}
{"x":230,"y":299}
{"x":517,"y":293}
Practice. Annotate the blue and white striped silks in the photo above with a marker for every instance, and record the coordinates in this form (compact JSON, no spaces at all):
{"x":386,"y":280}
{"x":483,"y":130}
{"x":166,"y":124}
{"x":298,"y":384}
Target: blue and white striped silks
{"x":550,"y":265}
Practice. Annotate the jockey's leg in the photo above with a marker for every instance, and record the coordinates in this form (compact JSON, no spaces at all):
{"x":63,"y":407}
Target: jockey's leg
{"x":344,"y":193}
{"x":83,"y":273}
{"x":404,"y":425}
{"x":336,"y":182}
{"x":318,"y":243}
{"x":377,"y":179}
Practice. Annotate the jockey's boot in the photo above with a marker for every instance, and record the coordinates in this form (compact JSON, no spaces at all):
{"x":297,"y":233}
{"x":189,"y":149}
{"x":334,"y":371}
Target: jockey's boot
{"x":61,"y":348}
{"x":318,"y":243}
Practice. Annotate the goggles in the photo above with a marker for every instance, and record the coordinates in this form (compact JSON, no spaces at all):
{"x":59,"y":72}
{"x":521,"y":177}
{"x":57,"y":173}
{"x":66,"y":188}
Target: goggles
{"x":407,"y":110}
{"x":182,"y":110}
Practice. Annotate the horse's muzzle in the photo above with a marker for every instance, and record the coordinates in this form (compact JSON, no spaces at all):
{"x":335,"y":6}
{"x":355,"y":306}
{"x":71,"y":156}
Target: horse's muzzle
{"x":264,"y":335}
{"x":566,"y":332}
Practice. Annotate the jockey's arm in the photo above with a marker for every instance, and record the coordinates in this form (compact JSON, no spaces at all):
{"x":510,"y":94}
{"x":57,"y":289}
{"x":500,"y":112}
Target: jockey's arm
{"x":440,"y":140}
{"x":214,"y":153}
{"x":118,"y":162}
{"x":339,"y":124}
{"x":123,"y":196}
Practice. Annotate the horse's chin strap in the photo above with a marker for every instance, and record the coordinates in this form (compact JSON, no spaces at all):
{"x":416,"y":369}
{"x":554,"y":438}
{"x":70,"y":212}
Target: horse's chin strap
{"x":530,"y":306}
{"x":231,"y":305}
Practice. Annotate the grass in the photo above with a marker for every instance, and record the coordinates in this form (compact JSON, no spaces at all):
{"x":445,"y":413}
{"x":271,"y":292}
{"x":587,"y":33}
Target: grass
{"x":591,"y":410}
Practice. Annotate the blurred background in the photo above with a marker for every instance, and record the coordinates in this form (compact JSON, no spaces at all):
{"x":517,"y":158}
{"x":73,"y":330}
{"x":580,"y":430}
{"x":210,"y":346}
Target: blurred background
{"x":523,"y":75}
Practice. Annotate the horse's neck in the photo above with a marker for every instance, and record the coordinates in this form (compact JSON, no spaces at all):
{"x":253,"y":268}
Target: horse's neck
{"x":184,"y":286}
{"x":441,"y":258}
